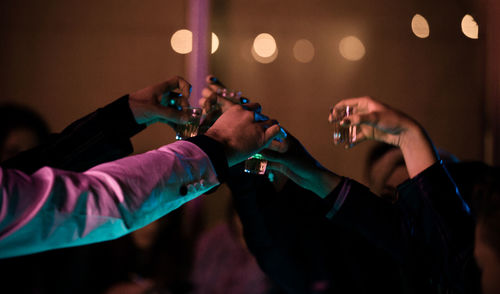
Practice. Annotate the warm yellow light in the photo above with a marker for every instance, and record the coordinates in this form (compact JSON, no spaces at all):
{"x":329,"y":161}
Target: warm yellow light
{"x":351,"y":48}
{"x":215,"y":43}
{"x":303,"y":50}
{"x":182,"y":41}
{"x":470,"y":27}
{"x":420,"y":26}
{"x":264,"y":45}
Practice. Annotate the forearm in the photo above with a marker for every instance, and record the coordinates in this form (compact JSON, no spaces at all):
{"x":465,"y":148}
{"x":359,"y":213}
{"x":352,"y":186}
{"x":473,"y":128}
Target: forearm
{"x":54,"y":208}
{"x":417,"y":148}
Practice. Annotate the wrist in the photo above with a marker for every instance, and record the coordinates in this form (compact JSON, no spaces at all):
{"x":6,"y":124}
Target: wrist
{"x":325,"y":182}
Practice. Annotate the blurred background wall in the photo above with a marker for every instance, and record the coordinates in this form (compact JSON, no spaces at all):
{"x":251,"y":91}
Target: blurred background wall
{"x":67,"y":58}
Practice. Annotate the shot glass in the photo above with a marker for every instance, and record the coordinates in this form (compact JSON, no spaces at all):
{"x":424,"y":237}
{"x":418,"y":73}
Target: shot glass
{"x":256,"y":165}
{"x":190,"y":129}
{"x":343,"y":134}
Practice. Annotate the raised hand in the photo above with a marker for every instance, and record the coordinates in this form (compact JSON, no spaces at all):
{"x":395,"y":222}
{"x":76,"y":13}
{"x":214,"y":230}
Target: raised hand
{"x":162,"y":102}
{"x":376,"y":121}
{"x":244,"y":131}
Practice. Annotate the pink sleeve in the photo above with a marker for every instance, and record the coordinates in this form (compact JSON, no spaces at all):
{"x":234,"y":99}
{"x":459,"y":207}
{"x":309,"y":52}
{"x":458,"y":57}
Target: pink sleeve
{"x":54,"y":208}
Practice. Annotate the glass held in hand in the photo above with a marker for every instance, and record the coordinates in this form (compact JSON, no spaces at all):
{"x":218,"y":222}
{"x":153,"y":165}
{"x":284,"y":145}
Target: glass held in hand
{"x":190,"y":129}
{"x":343,"y":134}
{"x":256,"y":165}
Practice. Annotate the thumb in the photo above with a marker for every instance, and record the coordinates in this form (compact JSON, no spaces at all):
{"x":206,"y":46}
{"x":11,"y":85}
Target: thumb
{"x":274,"y":132}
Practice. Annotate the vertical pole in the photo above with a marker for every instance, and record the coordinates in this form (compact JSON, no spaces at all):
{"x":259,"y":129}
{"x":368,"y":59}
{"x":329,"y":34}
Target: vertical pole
{"x":198,"y":15}
{"x":197,"y":63}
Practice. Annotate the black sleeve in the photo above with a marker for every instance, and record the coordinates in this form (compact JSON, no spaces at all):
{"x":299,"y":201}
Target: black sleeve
{"x":442,"y":224}
{"x":99,"y":137}
{"x":215,"y":152}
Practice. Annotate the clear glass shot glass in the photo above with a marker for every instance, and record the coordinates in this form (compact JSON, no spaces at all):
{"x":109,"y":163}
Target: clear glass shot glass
{"x":256,"y":165}
{"x":190,"y":129}
{"x":343,"y":134}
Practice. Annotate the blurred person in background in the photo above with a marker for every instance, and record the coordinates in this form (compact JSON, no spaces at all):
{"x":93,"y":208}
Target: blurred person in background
{"x":20,"y":129}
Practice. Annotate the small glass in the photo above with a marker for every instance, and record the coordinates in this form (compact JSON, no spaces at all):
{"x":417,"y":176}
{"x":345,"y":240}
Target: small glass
{"x":256,"y":165}
{"x":190,"y":129}
{"x":343,"y":134}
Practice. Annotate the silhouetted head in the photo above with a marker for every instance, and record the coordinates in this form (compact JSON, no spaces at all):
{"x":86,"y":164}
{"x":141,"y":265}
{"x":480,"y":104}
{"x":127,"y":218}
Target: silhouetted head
{"x":20,"y":129}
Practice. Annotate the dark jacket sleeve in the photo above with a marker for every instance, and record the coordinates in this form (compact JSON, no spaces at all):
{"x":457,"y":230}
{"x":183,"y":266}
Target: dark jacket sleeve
{"x":442,"y":225}
{"x":430,"y":227}
{"x":99,"y":137}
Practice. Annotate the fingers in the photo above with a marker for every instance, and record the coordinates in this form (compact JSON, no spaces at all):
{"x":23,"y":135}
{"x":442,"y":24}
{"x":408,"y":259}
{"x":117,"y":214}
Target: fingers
{"x":351,"y":101}
{"x":253,"y":107}
{"x":358,"y":139}
{"x":371,"y":118}
{"x":212,"y":80}
{"x":271,"y":133}
{"x":184,"y":87}
{"x":280,"y":146}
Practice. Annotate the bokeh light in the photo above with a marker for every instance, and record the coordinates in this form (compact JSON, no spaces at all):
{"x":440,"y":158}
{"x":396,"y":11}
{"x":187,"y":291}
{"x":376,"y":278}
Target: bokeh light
{"x":215,"y":43}
{"x":420,"y":26}
{"x":264,"y":45}
{"x":351,"y":48}
{"x":470,"y":27}
{"x":182,"y":42}
{"x":303,"y":50}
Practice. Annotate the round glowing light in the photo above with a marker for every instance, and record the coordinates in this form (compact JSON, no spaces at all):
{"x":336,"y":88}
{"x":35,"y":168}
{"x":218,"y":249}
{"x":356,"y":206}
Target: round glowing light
{"x":264,"y":45}
{"x":420,"y":26}
{"x":215,"y":43}
{"x":351,"y":48}
{"x":303,"y":50}
{"x":182,"y":41}
{"x":470,"y":27}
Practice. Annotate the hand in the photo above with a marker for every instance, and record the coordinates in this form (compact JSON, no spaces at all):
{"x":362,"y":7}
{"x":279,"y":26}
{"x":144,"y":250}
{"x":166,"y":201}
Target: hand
{"x":241,"y":134}
{"x":151,"y":104}
{"x":290,"y":158}
{"x":210,"y":101}
{"x":377,"y":121}
{"x":213,"y":104}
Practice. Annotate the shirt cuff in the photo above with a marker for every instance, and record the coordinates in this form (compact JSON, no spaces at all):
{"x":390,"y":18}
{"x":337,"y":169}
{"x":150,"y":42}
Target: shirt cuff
{"x":215,"y":152}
